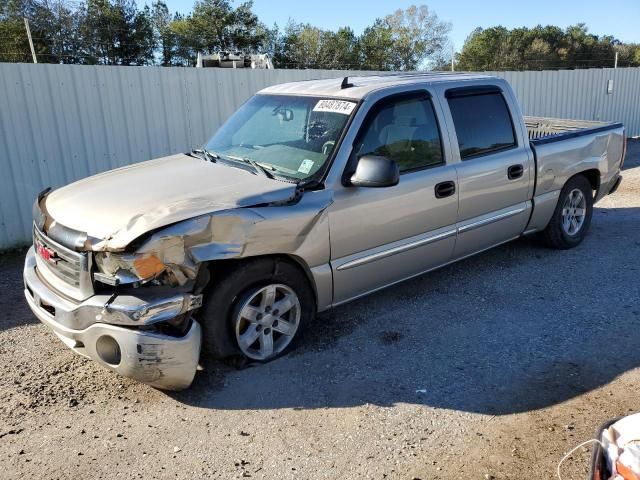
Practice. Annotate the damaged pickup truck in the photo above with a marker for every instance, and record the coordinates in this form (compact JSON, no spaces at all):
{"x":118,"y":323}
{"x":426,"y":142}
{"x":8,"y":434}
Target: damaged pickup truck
{"x":312,"y":194}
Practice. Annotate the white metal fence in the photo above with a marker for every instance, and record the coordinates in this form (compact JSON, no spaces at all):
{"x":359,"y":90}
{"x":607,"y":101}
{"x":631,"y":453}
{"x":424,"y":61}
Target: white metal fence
{"x":59,"y":123}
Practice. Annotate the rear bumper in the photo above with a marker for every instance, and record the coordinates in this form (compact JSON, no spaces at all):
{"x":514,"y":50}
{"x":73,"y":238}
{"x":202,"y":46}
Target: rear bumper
{"x":608,"y":187}
{"x":159,"y":360}
{"x":616,"y":184}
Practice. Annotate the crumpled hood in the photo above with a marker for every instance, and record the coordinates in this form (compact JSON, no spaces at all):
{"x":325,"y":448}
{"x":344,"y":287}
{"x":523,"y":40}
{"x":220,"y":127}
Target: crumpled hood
{"x":118,"y":206}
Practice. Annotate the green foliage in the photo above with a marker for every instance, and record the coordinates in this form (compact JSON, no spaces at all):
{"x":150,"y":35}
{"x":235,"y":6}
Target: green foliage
{"x":305,"y":46}
{"x":110,"y":32}
{"x":376,"y":46}
{"x":13,"y":46}
{"x":120,"y":33}
{"x":52,"y":26}
{"x":417,"y":35}
{"x":539,"y":48}
{"x":164,"y":37}
{"x":117,"y":32}
{"x":404,"y":40}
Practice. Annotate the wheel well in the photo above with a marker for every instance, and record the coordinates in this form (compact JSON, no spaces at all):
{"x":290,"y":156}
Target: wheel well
{"x":221,"y":267}
{"x":593,"y":176}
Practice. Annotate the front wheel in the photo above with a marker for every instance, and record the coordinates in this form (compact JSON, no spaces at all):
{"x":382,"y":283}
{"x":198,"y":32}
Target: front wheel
{"x":256,"y":310}
{"x":572,"y":217}
{"x":265,"y":320}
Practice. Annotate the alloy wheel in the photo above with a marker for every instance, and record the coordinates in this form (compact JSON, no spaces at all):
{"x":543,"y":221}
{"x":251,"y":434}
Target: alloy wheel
{"x":267,"y":321}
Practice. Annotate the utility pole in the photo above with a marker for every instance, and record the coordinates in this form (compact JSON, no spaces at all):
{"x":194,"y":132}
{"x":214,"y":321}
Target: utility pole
{"x":615,"y":63}
{"x":453,"y":58}
{"x":33,"y":52}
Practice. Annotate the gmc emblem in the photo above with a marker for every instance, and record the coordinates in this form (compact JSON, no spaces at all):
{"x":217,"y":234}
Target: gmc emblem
{"x":46,"y":253}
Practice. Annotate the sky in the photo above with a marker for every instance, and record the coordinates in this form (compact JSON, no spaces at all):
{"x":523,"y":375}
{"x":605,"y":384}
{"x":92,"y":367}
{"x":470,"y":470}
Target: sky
{"x":620,"y":18}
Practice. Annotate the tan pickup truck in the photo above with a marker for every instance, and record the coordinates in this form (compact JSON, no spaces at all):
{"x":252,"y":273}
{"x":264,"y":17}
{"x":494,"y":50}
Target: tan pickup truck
{"x":312,"y":194}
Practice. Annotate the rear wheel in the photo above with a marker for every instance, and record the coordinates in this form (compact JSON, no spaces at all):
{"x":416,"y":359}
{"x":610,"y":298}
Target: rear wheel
{"x":572,"y":217}
{"x":256,"y":310}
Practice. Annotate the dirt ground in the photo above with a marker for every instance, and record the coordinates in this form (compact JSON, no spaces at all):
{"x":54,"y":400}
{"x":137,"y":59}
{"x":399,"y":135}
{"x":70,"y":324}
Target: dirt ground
{"x":492,"y":368}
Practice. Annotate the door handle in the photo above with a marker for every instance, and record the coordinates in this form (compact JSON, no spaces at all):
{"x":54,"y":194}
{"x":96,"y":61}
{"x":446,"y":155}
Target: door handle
{"x":515,"y":171}
{"x":445,"y":189}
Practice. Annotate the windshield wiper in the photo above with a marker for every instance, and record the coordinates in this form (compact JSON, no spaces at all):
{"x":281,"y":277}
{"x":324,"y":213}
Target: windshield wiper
{"x":197,"y":154}
{"x":205,"y":155}
{"x":261,"y":168}
{"x":265,"y":169}
{"x":213,"y":157}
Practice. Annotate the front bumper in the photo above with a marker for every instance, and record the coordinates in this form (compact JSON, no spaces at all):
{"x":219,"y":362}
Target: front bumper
{"x":159,"y":360}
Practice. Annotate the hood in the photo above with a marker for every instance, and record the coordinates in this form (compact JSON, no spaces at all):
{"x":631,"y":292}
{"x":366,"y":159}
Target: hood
{"x":116,"y":207}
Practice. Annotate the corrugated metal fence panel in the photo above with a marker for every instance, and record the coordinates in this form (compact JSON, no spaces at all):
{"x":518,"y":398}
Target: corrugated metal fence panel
{"x":59,"y":123}
{"x":580,"y":94}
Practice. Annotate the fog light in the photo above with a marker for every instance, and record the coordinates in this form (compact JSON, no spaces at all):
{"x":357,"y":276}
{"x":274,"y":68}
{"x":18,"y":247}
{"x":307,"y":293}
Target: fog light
{"x":108,"y":350}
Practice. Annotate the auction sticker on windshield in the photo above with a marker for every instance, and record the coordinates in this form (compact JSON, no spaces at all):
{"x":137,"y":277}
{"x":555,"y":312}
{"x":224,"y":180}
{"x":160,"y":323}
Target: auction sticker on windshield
{"x":305,"y":166}
{"x":334,"y":106}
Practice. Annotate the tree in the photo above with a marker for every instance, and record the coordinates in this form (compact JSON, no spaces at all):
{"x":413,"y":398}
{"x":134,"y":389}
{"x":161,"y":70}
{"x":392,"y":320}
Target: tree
{"x":14,"y":46}
{"x":115,"y":32}
{"x":376,"y":47}
{"x":213,"y":26}
{"x":272,"y":43}
{"x":246,"y":32}
{"x":341,"y":49}
{"x":163,"y":34}
{"x":98,"y":31}
{"x":538,"y":48}
{"x":185,"y":53}
{"x":405,"y":40}
{"x":628,"y":54}
{"x":483,"y":48}
{"x":306,"y":46}
{"x":417,"y":35}
{"x":54,"y":26}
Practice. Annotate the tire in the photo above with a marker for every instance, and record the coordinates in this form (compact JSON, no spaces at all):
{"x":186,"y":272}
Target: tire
{"x":562,"y":232}
{"x":240,"y":290}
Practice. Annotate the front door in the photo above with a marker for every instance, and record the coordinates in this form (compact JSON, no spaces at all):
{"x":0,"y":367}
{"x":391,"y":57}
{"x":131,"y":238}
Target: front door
{"x":383,"y":235}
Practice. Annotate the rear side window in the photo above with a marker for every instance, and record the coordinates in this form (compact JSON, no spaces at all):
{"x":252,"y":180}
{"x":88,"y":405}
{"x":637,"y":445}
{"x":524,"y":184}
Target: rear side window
{"x":404,"y":130}
{"x":483,"y":124}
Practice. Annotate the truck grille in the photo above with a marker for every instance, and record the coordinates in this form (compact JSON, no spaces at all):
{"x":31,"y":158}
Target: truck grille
{"x":64,"y":269}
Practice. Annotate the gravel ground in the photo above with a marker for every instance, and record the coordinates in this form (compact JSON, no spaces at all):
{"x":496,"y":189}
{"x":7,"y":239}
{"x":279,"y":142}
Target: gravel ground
{"x":489,"y":368}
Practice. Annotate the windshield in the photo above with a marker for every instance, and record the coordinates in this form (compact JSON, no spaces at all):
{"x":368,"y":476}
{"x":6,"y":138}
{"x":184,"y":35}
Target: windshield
{"x":293,"y":136}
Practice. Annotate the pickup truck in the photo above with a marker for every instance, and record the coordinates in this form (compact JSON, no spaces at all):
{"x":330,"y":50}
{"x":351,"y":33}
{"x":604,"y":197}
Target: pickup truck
{"x":311,"y":195}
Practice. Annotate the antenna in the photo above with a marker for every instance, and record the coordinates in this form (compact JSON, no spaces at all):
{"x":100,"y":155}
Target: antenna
{"x":345,"y":83}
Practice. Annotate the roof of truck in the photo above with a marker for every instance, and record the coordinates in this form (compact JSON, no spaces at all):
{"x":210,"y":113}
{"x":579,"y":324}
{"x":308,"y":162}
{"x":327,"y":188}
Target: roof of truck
{"x":363,"y":85}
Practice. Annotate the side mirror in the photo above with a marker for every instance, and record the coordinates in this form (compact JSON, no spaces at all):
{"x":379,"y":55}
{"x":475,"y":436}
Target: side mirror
{"x":375,"y":171}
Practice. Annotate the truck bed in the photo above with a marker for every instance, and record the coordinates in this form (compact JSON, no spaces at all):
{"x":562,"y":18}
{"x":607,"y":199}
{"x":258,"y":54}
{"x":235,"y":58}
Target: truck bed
{"x":563,"y":148}
{"x":547,"y":129}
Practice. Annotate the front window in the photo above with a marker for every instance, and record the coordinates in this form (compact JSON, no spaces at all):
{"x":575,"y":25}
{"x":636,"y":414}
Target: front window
{"x":292,"y":136}
{"x":404,"y":130}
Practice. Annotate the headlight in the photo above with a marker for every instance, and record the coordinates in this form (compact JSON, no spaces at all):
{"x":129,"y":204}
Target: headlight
{"x":123,"y":268}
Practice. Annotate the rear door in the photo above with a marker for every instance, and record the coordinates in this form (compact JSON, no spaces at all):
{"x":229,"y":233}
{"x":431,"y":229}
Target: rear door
{"x":495,"y":173}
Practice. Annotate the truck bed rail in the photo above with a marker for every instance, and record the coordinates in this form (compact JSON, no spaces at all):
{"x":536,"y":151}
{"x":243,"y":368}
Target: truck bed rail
{"x":547,"y":129}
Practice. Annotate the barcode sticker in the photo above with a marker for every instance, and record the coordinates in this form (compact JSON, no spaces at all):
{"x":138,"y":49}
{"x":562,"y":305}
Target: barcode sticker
{"x":305,"y":166}
{"x":334,"y":106}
